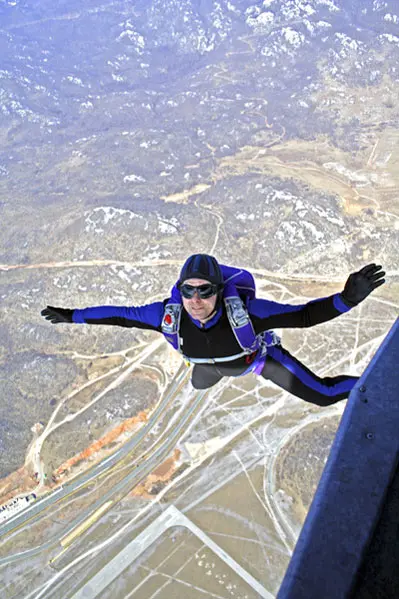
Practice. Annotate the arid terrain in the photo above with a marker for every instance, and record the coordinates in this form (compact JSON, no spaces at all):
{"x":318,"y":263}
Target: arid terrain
{"x":263,"y":133}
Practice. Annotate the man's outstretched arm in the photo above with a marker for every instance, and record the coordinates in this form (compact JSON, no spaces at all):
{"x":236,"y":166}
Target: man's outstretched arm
{"x":148,"y":316}
{"x":268,"y":315}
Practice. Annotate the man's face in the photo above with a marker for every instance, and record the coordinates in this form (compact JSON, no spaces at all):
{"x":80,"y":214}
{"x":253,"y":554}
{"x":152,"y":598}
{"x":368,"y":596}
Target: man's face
{"x":199,"y":308}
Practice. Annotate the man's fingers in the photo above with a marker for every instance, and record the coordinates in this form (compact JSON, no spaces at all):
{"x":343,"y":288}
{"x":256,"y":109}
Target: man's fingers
{"x":366,"y":269}
{"x":375,"y":268}
{"x":49,"y":315}
{"x":378,"y":283}
{"x":377,"y":275}
{"x":369,"y":269}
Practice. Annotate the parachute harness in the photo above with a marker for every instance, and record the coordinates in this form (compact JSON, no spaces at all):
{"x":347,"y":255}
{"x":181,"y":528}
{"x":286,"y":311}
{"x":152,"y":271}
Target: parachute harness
{"x":240,"y":323}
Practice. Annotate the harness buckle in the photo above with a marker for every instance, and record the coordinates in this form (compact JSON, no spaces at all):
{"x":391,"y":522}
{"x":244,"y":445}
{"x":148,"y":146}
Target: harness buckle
{"x":236,"y":311}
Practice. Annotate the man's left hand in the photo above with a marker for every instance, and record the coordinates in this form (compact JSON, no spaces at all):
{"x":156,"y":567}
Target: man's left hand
{"x":360,"y":284}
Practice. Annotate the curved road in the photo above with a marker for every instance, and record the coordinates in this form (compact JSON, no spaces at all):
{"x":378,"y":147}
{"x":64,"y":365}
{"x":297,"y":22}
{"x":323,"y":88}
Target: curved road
{"x":146,"y":465}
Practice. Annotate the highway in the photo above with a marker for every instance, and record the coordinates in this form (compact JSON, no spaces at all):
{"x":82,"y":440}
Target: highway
{"x":105,"y":465}
{"x":151,"y":459}
{"x":146,"y":465}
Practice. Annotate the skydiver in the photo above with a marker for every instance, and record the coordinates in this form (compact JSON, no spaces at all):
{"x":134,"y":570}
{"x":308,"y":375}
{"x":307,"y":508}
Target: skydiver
{"x":214,"y":320}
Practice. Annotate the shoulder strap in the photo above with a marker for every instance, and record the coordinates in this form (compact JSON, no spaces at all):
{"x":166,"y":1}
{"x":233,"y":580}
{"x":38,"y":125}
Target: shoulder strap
{"x":170,"y":325}
{"x":239,"y":319}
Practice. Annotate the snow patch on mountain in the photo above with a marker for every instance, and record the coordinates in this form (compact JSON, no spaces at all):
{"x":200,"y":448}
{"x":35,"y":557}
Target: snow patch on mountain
{"x":261,"y":22}
{"x":101,"y":216}
{"x":391,"y":18}
{"x":133,"y":178}
{"x":390,"y":38}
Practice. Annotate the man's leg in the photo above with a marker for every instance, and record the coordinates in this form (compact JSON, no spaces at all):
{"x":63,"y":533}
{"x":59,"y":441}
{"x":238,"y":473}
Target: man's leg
{"x":290,"y":374}
{"x":204,"y":376}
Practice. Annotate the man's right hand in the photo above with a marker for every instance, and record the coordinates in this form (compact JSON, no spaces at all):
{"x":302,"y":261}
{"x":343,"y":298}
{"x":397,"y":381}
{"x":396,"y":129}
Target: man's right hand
{"x":55,"y":315}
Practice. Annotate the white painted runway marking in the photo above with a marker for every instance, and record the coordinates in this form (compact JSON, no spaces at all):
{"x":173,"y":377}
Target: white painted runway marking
{"x":170,"y":517}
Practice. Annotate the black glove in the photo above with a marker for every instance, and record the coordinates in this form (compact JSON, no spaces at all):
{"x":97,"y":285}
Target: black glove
{"x":55,"y":315}
{"x":361,"y":284}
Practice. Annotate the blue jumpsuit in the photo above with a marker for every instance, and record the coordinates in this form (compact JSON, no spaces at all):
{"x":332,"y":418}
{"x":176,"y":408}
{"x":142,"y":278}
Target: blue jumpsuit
{"x":216,"y":339}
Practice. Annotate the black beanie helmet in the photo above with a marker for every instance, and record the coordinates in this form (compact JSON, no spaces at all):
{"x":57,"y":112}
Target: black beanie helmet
{"x":202,"y":266}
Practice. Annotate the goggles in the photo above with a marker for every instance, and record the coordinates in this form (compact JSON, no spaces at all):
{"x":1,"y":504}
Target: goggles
{"x":204,"y":291}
